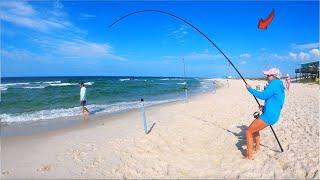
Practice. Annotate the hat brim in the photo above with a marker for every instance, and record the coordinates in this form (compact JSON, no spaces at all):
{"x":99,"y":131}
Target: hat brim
{"x":268,"y":73}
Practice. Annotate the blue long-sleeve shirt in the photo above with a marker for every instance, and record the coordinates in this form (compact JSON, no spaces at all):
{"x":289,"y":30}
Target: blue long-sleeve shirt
{"x":273,"y":96}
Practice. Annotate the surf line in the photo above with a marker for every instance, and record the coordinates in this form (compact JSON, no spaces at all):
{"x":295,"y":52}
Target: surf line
{"x":194,"y":27}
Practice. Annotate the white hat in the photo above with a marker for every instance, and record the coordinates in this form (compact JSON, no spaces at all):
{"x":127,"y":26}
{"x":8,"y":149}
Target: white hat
{"x":273,"y":71}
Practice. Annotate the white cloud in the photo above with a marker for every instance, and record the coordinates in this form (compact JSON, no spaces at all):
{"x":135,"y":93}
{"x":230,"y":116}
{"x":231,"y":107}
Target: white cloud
{"x":67,"y":49}
{"x":293,"y":55}
{"x":17,"y":7}
{"x":303,"y":56}
{"x":305,"y":46}
{"x":245,"y":56}
{"x":279,"y":57}
{"x":243,"y":62}
{"x":78,"y":48}
{"x":85,"y":49}
{"x":84,"y":16}
{"x":58,"y":4}
{"x":58,"y":37}
{"x":22,"y":14}
{"x":315,"y":52}
{"x":20,"y":54}
{"x":116,"y":57}
{"x":299,"y":53}
{"x":180,"y":33}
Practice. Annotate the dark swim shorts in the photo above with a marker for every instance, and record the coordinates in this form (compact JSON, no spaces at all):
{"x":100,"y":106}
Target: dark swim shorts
{"x":83,"y":103}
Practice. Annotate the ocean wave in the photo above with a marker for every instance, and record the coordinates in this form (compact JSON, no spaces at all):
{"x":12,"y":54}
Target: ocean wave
{"x":39,"y":85}
{"x":3,"y":88}
{"x":178,"y":79}
{"x":89,"y":83}
{"x":184,"y":83}
{"x":126,"y":79}
{"x":141,"y":80}
{"x":64,"y":84}
{"x":71,"y":84}
{"x":173,"y":79}
{"x":34,"y":87}
{"x":206,"y":85}
{"x":208,"y":79}
{"x":14,"y":84}
{"x":39,"y":115}
{"x":51,"y":82}
{"x":75,"y":111}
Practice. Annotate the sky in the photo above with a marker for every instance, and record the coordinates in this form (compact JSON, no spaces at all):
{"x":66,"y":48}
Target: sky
{"x":73,"y":38}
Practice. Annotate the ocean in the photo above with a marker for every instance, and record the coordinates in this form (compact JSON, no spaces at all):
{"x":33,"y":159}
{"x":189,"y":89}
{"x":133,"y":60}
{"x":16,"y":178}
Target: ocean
{"x":29,"y":99}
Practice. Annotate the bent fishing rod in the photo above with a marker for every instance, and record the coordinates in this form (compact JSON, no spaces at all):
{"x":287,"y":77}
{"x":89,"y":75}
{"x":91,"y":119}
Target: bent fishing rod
{"x":212,"y":43}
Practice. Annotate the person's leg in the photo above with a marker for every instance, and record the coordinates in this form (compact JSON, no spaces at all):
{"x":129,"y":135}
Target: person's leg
{"x":86,"y":109}
{"x":82,"y":109}
{"x":255,"y":126}
{"x":256,"y":139}
{"x":81,"y":105}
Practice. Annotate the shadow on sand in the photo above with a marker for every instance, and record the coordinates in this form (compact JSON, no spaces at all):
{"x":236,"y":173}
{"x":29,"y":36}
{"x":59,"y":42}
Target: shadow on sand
{"x":241,"y":138}
{"x":151,"y":128}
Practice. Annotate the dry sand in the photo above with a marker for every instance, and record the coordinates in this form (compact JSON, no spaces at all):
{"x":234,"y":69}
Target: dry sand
{"x":203,"y":138}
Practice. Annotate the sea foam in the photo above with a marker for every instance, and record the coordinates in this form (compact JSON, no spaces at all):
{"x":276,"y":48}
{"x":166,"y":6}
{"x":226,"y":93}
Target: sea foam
{"x":75,"y":111}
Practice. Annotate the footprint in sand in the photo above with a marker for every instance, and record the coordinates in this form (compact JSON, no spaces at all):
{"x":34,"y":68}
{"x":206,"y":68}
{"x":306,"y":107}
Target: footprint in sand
{"x":5,"y":172}
{"x":45,"y":168}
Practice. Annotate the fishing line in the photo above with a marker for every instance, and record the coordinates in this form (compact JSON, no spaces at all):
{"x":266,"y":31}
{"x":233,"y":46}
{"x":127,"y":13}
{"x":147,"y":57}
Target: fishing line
{"x":194,"y":27}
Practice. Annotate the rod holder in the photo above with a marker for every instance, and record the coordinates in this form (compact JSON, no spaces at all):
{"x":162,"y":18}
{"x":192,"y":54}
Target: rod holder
{"x":144,"y":119}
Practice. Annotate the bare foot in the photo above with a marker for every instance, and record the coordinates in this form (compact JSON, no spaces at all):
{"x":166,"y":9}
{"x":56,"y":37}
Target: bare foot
{"x":256,"y":148}
{"x":248,"y":158}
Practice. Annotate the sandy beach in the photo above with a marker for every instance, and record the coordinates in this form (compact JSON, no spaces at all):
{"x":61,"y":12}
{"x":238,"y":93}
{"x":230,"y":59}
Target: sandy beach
{"x":203,"y":138}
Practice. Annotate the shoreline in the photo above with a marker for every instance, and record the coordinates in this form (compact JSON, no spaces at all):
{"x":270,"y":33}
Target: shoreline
{"x":203,"y":138}
{"x":30,"y":128}
{"x":57,"y":98}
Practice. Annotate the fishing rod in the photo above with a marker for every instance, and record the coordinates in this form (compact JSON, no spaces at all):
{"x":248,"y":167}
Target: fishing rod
{"x":177,"y":17}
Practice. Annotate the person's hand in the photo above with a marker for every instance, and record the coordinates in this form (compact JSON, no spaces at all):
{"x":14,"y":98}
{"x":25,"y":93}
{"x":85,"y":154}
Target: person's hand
{"x":248,"y":86}
{"x":261,"y":108}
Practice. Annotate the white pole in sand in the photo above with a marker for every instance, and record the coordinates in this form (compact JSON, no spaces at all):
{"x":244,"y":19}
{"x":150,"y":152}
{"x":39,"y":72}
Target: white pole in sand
{"x":185,"y":83}
{"x":144,"y":119}
{"x":228,"y":71}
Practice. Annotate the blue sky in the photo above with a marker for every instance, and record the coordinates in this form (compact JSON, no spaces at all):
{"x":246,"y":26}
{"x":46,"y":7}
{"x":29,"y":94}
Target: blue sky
{"x":66,"y":38}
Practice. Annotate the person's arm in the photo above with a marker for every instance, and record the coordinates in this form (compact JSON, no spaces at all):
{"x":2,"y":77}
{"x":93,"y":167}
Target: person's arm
{"x":265,"y":94}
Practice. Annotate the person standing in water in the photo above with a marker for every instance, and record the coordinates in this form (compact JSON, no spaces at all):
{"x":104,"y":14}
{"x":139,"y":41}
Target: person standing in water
{"x":83,"y":100}
{"x":273,"y":96}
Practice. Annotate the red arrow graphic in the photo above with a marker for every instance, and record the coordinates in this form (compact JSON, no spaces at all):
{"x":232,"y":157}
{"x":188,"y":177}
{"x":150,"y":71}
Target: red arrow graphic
{"x":263,"y":24}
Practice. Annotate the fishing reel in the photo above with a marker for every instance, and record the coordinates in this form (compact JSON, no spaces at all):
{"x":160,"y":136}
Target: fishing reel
{"x":256,"y":114}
